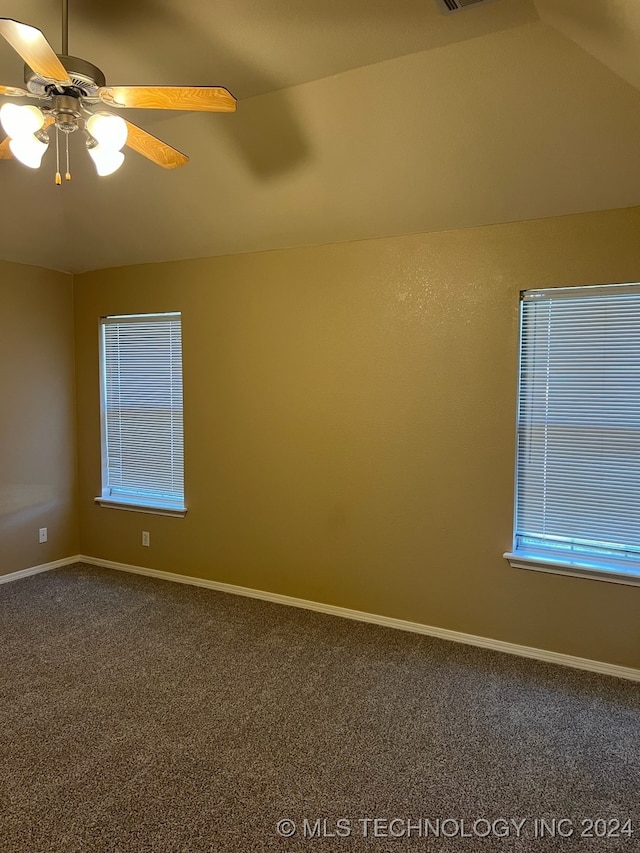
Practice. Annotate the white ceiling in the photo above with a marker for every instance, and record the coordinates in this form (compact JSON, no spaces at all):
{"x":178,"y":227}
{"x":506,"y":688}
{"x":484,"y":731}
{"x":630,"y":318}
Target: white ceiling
{"x":356,"y":119}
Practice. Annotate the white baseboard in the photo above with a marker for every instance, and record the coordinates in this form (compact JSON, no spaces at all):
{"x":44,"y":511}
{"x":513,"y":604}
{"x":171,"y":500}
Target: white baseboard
{"x":35,"y":570}
{"x":385,"y":621}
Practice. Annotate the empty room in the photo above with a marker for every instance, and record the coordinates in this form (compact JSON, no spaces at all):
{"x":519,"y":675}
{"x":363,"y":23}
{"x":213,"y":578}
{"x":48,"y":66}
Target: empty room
{"x":320,"y":426}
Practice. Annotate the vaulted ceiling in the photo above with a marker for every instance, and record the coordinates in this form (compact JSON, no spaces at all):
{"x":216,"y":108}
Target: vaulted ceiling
{"x":355,"y":119}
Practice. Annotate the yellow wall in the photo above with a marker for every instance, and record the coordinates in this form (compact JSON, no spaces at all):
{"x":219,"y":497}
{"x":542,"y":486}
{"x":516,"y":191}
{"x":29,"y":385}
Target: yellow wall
{"x":349,"y":426}
{"x":37,"y":417}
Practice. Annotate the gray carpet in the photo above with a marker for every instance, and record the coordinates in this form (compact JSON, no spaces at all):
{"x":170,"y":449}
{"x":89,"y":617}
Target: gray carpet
{"x":141,"y":716}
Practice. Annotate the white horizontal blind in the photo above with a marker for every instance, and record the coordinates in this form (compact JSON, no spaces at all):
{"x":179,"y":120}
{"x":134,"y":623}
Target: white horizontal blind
{"x":578,"y":458}
{"x":143,"y":444}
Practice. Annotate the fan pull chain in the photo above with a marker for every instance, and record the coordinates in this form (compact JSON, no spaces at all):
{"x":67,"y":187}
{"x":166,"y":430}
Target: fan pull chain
{"x":58,"y":176}
{"x":67,"y":177}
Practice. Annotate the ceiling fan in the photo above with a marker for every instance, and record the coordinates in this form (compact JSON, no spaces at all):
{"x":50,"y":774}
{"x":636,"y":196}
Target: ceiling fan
{"x":72,"y":94}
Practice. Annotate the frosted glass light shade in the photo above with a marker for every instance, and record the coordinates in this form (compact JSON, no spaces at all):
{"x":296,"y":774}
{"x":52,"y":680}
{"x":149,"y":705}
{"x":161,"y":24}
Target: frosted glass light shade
{"x":20,"y":121}
{"x":107,"y":161}
{"x":28,"y":150}
{"x":110,"y":131}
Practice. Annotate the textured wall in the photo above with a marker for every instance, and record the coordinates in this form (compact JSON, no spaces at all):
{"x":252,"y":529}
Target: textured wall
{"x":37,"y":417}
{"x":349,"y":426}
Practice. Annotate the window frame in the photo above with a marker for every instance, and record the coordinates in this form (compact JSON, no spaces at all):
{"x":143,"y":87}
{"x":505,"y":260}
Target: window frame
{"x":610,"y":570}
{"x":129,"y":503}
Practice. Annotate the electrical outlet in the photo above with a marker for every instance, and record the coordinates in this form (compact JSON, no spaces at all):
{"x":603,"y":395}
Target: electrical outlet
{"x":145,"y":538}
{"x":42,"y":535}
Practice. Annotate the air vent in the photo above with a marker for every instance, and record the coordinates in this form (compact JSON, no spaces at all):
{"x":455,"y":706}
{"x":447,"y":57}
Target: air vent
{"x":449,"y":6}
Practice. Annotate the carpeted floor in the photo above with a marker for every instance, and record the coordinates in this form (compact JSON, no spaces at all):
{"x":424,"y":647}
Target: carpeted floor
{"x":141,"y":716}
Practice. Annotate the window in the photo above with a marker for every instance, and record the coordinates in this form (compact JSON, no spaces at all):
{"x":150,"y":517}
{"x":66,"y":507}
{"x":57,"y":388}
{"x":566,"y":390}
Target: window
{"x":578,"y":433}
{"x":141,"y":395}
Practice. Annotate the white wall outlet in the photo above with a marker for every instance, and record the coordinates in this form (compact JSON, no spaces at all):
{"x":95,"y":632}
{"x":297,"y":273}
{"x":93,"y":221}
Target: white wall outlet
{"x":42,"y":535}
{"x":145,"y":538}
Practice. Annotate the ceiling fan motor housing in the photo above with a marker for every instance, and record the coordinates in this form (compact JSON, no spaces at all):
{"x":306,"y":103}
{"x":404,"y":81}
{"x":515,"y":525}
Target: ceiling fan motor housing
{"x":86,"y":79}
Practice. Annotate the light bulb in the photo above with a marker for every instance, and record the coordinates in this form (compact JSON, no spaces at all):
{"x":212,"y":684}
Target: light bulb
{"x":107,"y":161}
{"x":110,"y":131}
{"x":28,"y":150}
{"x":21,"y":121}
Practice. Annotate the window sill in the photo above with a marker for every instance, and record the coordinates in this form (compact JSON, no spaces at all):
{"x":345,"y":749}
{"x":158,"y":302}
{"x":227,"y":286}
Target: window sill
{"x":149,"y":509}
{"x":594,"y":571}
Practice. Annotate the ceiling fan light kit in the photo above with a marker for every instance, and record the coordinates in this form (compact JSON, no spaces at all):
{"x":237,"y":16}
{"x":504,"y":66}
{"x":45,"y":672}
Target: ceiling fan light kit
{"x":107,"y":135}
{"x":19,"y":121}
{"x":71,"y":89}
{"x":22,"y":124}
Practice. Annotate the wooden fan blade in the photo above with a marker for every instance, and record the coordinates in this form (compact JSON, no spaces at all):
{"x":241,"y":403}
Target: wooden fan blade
{"x":153,"y":148}
{"x":213,"y":99}
{"x":13,"y":92}
{"x":36,"y":51}
{"x":5,"y":151}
